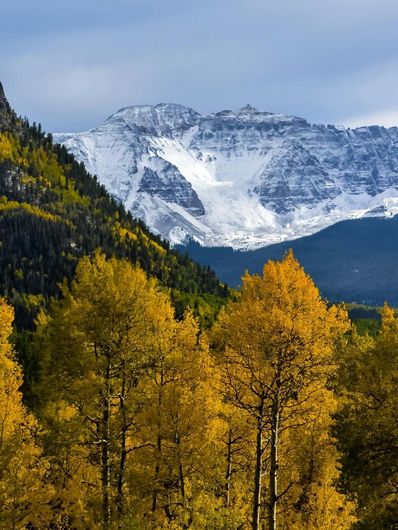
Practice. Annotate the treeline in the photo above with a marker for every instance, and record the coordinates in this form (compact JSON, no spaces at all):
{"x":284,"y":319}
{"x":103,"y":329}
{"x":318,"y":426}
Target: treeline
{"x":279,"y":416}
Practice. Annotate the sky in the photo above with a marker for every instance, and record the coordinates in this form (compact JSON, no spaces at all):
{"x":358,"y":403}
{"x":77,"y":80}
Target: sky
{"x":69,"y":65}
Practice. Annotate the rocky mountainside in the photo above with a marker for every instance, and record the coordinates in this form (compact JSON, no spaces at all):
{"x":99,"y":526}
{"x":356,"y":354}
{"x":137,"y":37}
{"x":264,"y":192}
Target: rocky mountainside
{"x":242,"y":178}
{"x":7,"y":116}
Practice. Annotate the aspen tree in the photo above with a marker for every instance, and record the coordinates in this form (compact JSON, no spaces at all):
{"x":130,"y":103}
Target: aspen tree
{"x":96,"y":344}
{"x":277,"y":342}
{"x":24,"y":494}
{"x":179,"y":427}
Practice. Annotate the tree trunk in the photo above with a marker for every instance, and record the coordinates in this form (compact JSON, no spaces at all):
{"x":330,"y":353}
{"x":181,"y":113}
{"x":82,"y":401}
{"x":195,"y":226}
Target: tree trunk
{"x":180,"y":469}
{"x":182,"y":482}
{"x":158,"y":443}
{"x":258,"y":469}
{"x":105,"y":458}
{"x":157,"y":471}
{"x":123,"y":454}
{"x":273,"y":476}
{"x":228,"y":473}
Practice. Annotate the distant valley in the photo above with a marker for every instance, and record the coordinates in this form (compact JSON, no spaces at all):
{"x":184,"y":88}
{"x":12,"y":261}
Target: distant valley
{"x":356,"y":261}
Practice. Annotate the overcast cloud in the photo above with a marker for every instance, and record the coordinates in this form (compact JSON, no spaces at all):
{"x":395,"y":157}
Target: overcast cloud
{"x":71,"y":65}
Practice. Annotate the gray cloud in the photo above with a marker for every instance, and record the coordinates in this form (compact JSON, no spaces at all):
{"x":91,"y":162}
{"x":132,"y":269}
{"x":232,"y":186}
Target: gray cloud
{"x":71,"y":65}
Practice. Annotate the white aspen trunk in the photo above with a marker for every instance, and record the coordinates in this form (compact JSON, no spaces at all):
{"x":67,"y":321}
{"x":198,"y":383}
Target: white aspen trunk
{"x":258,"y":469}
{"x":273,"y":476}
{"x":105,"y":457}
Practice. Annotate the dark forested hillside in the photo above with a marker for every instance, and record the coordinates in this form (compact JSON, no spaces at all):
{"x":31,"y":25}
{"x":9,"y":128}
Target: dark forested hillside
{"x":354,"y":261}
{"x":52,"y":212}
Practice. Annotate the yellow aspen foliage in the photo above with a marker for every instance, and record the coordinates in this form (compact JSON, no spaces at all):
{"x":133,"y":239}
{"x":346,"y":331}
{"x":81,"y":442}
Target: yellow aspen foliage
{"x":24,"y":493}
{"x":235,"y":455}
{"x":309,"y":462}
{"x":6,"y":150}
{"x":96,"y":345}
{"x":178,"y":431}
{"x":275,"y":346}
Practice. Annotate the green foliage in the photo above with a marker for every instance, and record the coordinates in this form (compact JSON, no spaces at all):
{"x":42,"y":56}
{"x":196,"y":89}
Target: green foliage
{"x":366,"y":428}
{"x":368,"y":326}
{"x":366,"y":319}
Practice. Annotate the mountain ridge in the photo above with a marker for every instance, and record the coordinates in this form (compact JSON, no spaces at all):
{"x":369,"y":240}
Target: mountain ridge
{"x":244,"y":178}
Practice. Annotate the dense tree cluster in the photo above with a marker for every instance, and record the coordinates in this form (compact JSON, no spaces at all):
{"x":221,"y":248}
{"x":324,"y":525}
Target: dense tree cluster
{"x":143,"y":421}
{"x":366,"y":425}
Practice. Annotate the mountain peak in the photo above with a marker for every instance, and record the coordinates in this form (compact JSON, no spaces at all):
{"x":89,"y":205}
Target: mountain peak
{"x":248,"y":108}
{"x":5,"y":111}
{"x":4,"y":105}
{"x":176,"y":107}
{"x":161,"y":118}
{"x":160,"y":108}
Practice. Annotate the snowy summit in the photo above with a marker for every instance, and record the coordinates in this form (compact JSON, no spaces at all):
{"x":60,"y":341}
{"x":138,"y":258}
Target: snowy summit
{"x":244,"y":178}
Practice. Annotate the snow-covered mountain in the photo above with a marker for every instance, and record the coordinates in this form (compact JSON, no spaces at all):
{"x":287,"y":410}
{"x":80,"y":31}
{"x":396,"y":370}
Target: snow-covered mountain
{"x":242,"y":178}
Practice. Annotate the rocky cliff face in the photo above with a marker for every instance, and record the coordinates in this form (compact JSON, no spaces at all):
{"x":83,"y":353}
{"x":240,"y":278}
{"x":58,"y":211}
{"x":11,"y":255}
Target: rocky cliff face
{"x":5,"y":111}
{"x":242,"y":178}
{"x":3,"y":100}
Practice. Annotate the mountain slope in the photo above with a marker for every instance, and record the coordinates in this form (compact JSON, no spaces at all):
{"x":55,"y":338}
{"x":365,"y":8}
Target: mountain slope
{"x":52,"y":212}
{"x":243,"y":179}
{"x":354,"y":260}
